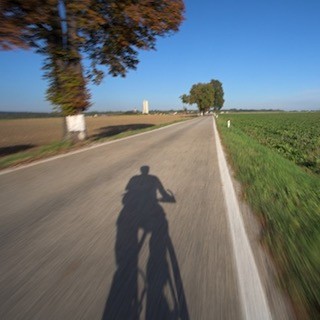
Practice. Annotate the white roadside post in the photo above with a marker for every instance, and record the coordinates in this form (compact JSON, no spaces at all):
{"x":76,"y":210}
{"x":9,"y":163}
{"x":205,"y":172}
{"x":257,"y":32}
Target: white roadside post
{"x":228,"y":123}
{"x":76,"y":124}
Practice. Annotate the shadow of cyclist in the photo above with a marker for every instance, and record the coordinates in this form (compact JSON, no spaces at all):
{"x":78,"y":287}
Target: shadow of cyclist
{"x":142,"y":211}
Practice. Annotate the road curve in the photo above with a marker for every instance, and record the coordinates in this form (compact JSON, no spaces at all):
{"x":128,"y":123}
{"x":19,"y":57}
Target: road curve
{"x":135,"y":229}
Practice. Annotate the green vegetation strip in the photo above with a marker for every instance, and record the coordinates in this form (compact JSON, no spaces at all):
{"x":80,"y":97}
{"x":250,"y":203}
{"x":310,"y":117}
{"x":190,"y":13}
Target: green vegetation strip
{"x":42,"y":152}
{"x":59,"y":147}
{"x":296,"y":136}
{"x":287,"y":200}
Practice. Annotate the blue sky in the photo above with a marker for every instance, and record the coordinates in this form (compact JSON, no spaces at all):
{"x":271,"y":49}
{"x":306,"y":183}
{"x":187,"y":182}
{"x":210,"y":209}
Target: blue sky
{"x":266,"y":54}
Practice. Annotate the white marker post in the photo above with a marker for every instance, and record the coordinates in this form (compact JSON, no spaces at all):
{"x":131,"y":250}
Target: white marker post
{"x":76,"y":124}
{"x":228,"y":123}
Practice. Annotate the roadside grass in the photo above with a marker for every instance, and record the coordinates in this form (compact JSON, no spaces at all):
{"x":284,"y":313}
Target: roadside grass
{"x":28,"y":156}
{"x":60,"y":147}
{"x":287,"y":200}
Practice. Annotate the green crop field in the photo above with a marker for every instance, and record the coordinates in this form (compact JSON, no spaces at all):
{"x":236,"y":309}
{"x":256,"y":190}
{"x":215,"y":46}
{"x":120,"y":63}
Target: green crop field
{"x":275,"y":156}
{"x":296,"y":136}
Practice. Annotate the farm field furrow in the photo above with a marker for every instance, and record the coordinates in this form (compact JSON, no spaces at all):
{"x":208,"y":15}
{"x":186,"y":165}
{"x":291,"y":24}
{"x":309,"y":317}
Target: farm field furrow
{"x":42,"y":131}
{"x":32,"y":133}
{"x":27,"y":140}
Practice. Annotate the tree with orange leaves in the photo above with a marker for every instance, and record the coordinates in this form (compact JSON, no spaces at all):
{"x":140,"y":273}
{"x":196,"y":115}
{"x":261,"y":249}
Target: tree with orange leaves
{"x":108,"y":33}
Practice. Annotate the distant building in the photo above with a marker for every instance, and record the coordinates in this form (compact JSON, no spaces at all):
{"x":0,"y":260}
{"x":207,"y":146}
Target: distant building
{"x":145,"y":107}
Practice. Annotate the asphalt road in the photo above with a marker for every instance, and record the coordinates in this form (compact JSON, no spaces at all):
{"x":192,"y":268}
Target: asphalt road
{"x":136,"y":229}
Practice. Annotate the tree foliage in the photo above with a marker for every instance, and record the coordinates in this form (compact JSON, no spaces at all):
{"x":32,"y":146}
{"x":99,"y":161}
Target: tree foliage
{"x":185,"y":99}
{"x":202,"y":94}
{"x":205,"y":96}
{"x":107,"y":33}
{"x":218,"y":94}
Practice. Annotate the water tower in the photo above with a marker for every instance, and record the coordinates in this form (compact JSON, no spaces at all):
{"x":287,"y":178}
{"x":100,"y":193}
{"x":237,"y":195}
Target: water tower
{"x":145,"y":107}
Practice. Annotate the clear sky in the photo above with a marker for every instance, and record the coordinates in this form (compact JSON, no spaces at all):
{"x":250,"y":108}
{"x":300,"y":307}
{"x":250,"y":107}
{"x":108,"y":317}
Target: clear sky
{"x":266,"y":54}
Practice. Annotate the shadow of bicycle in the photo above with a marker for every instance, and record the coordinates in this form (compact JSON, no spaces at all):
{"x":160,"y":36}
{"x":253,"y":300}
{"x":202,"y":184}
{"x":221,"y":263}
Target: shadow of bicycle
{"x":162,"y":295}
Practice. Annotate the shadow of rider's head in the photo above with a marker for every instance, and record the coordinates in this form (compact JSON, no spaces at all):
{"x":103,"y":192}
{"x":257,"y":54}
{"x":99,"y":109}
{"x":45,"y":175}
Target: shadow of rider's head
{"x":145,"y":170}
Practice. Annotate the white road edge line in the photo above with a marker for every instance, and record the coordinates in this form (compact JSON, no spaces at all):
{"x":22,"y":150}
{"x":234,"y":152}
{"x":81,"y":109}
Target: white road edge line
{"x":252,"y":295}
{"x":97,"y":145}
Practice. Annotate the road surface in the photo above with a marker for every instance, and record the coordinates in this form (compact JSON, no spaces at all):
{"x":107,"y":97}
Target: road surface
{"x":136,"y":229}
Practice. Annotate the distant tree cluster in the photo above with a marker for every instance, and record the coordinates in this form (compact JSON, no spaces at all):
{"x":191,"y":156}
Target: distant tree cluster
{"x":205,"y":96}
{"x":26,"y":115}
{"x":107,"y":33}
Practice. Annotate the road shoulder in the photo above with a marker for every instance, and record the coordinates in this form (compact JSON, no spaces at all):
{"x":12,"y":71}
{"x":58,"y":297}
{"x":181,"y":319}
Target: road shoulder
{"x":278,"y":304}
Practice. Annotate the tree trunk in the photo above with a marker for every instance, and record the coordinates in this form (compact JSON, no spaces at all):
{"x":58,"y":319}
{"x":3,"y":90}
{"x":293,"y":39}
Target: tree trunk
{"x":76,"y":91}
{"x":80,"y":95}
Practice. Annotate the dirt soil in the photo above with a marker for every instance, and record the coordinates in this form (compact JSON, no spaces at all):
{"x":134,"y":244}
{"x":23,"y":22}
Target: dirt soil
{"x":26,"y":134}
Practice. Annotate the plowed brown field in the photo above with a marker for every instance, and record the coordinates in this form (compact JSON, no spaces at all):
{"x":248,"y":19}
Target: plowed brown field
{"x":22,"y":134}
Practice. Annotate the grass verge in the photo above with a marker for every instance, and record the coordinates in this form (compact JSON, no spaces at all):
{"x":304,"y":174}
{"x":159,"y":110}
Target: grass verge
{"x":60,"y":147}
{"x":42,"y":152}
{"x":287,"y":200}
